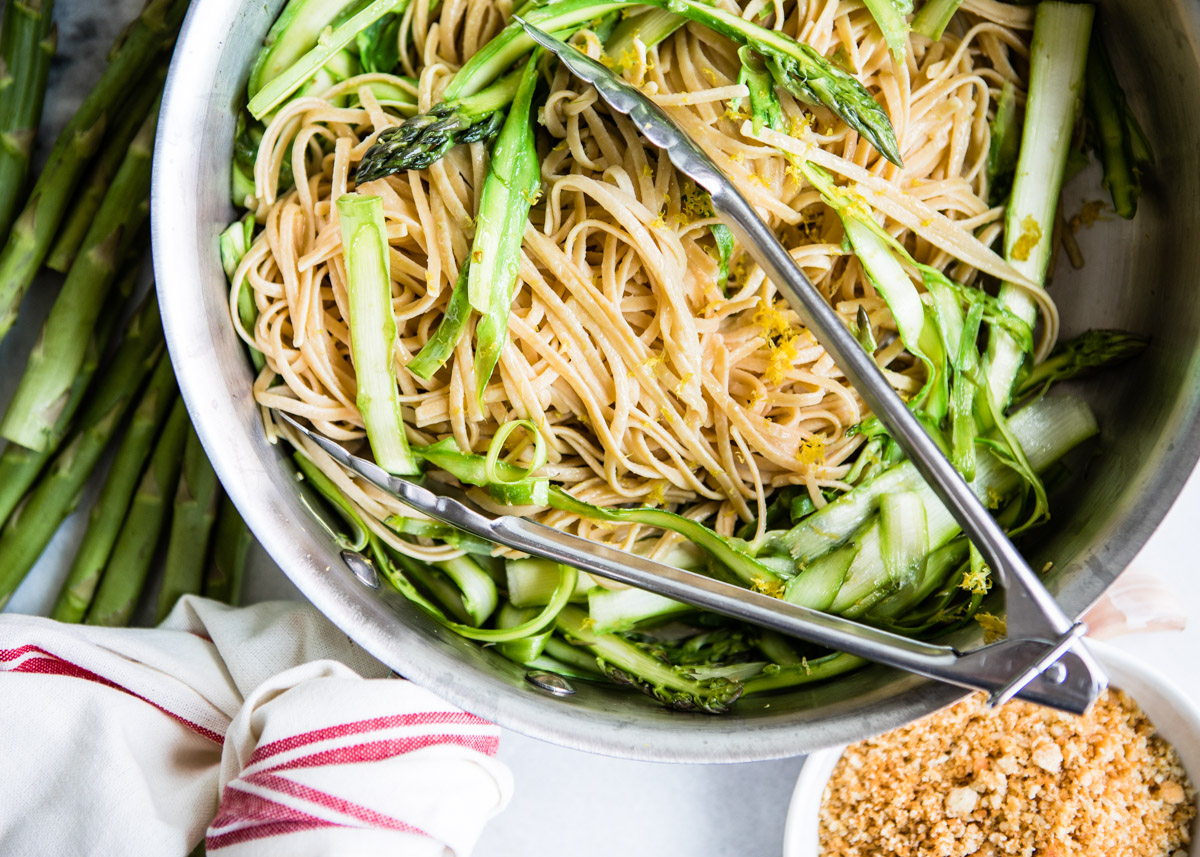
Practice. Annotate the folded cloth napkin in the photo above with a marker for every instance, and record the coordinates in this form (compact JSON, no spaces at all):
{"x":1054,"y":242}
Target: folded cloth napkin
{"x":264,"y":724}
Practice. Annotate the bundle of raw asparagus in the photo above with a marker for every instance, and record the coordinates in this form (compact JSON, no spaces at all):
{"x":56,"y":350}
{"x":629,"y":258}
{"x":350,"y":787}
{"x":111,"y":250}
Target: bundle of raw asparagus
{"x":98,"y":375}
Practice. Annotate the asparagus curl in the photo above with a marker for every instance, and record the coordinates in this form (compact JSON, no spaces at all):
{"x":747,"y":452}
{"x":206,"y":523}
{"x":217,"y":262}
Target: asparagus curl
{"x":35,"y":227}
{"x":129,"y":563}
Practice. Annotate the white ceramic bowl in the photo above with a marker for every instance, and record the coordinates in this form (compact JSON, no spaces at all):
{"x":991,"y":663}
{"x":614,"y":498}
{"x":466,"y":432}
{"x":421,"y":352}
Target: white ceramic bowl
{"x":1174,"y":716}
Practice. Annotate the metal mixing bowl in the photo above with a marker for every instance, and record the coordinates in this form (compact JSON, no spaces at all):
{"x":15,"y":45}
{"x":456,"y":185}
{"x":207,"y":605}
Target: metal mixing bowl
{"x":1141,"y":276}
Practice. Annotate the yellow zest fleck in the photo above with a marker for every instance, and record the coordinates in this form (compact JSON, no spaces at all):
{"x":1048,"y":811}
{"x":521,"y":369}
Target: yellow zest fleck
{"x":652,"y":361}
{"x":798,"y":126}
{"x":773,"y":588}
{"x":647,"y":171}
{"x":659,"y":221}
{"x":560,"y":146}
{"x":682,"y":385}
{"x":1046,"y":568}
{"x":1031,"y":234}
{"x":812,"y":452}
{"x":658,"y":493}
{"x":977,"y":581}
{"x":710,"y":74}
{"x":588,"y":622}
{"x":927,"y":222}
{"x":738,"y":158}
{"x":994,"y":628}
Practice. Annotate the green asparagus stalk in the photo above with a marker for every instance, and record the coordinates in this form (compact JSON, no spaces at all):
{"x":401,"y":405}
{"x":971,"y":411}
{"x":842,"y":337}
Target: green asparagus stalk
{"x":933,"y":17}
{"x":765,"y":109}
{"x":649,"y":28}
{"x":438,"y":348}
{"x":624,"y":663}
{"x":508,"y":192}
{"x":890,"y":16}
{"x":191,"y":526}
{"x":35,"y":228}
{"x":27,"y":43}
{"x":373,"y":330}
{"x":102,"y":172}
{"x":1124,"y":150}
{"x":278,"y":87}
{"x":231,"y":548}
{"x":1060,"y":43}
{"x":1005,"y":146}
{"x":795,"y":66}
{"x":44,"y":389}
{"x":19,"y":465}
{"x":420,"y":142}
{"x":107,"y":514}
{"x":30,"y":528}
{"x":129,"y":563}
{"x":1092,"y":350}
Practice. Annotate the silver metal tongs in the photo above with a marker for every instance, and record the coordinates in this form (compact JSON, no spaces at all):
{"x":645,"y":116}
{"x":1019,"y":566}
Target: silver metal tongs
{"x":1043,"y":659}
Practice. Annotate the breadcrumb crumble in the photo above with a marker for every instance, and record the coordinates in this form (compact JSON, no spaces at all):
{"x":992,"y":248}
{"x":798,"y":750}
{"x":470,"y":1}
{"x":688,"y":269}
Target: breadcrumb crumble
{"x":1022,"y":780}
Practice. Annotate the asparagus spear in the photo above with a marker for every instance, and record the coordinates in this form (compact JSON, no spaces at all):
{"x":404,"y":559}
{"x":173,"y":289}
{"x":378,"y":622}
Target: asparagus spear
{"x":27,"y":43}
{"x":624,"y":663}
{"x":507,"y":195}
{"x":87,"y":201}
{"x":129,"y":563}
{"x":420,"y":142}
{"x":30,"y":529}
{"x":231,"y":548}
{"x":1124,"y":150}
{"x":36,"y":226}
{"x":44,"y":388}
{"x":191,"y":526}
{"x":1094,"y":349}
{"x":19,"y":465}
{"x":373,"y":330}
{"x":794,"y":66}
{"x":105,"y":517}
{"x":1060,"y":42}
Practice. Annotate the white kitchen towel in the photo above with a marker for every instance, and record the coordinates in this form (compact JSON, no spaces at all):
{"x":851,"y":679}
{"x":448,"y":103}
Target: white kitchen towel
{"x":264,"y":724}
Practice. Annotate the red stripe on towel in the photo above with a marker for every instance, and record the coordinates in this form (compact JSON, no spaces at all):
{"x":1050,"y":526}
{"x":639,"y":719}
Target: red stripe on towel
{"x":356,"y":811}
{"x":376,"y":751}
{"x":51,"y":665}
{"x":359,"y":727}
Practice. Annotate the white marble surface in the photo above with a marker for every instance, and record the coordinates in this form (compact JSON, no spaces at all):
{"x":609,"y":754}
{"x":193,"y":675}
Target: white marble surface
{"x":569,"y":802}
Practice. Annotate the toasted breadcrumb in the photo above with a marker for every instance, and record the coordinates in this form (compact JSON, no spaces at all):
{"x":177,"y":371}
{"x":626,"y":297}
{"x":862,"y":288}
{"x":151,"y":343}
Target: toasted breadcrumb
{"x":1021,"y":780}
